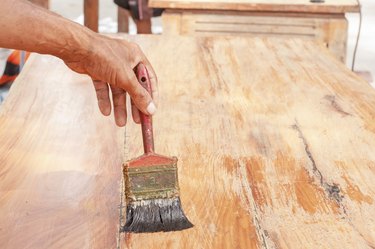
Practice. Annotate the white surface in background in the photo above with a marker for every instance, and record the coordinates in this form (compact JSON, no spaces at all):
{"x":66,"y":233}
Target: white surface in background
{"x":4,"y":53}
{"x":366,"y":50}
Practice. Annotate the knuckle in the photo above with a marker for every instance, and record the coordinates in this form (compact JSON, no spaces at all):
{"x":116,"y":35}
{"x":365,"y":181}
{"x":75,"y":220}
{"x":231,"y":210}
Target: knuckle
{"x":136,"y":52}
{"x":135,"y":46}
{"x":126,"y":84}
{"x":141,"y":97}
{"x":100,"y":87}
{"x":117,"y":91}
{"x":101,"y":95}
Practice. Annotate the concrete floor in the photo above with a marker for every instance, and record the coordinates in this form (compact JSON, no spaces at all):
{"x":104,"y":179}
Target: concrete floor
{"x":365,"y":60}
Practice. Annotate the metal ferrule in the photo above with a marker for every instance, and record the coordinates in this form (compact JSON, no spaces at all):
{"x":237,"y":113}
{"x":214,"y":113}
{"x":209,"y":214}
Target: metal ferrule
{"x":150,"y":182}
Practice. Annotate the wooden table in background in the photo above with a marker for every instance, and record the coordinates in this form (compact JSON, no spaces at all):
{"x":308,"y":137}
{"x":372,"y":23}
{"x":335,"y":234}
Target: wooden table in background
{"x":325,"y":22}
{"x":43,"y":3}
{"x":91,"y":14}
{"x":275,"y":140}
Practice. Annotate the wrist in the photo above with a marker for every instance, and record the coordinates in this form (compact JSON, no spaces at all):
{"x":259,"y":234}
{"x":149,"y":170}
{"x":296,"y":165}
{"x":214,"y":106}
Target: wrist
{"x":78,"y":43}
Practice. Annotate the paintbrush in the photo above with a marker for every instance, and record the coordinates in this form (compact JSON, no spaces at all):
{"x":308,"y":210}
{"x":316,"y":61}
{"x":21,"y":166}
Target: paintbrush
{"x":151,"y":183}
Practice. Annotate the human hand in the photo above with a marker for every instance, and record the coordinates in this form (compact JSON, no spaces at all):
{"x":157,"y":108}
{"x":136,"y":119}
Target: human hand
{"x":110,"y":63}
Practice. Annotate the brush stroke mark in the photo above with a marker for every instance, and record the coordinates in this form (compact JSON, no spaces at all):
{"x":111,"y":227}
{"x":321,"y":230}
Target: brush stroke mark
{"x":262,"y":234}
{"x":122,"y":205}
{"x":335,"y":106}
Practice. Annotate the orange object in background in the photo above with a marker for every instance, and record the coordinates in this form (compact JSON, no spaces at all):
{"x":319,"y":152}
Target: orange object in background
{"x":12,"y":67}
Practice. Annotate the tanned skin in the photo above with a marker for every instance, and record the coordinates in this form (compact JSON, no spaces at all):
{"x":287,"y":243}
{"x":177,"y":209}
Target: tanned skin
{"x":109,"y":62}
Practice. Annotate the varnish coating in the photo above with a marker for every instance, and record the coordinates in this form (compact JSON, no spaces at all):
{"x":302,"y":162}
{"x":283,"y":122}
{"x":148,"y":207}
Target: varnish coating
{"x":274,"y":138}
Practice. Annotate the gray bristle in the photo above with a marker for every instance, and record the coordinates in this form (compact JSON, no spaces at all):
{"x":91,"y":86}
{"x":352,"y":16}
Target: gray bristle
{"x":158,"y":215}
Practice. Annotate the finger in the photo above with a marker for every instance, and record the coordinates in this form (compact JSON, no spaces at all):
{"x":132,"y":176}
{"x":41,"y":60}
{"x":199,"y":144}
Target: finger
{"x":135,"y":113}
{"x":151,"y":72}
{"x":154,"y":82}
{"x":119,"y":105}
{"x":102,"y":94}
{"x":141,"y":98}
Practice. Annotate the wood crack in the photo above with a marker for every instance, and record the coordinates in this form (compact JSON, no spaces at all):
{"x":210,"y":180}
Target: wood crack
{"x":335,"y":106}
{"x":262,"y":234}
{"x":121,"y":214}
{"x":333,"y":190}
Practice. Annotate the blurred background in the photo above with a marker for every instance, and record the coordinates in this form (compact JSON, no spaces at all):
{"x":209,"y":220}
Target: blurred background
{"x":365,"y":62}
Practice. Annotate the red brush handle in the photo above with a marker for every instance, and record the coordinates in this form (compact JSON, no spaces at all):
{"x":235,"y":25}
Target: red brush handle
{"x":146,"y":120}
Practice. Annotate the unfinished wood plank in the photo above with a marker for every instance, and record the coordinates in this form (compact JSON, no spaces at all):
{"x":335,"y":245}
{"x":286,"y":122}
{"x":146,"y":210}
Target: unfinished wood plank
{"x":329,"y":6}
{"x":336,"y":37}
{"x":233,"y":24}
{"x":331,"y":30}
{"x":267,"y":123}
{"x":172,"y":23}
{"x":60,"y":162}
{"x":274,"y":138}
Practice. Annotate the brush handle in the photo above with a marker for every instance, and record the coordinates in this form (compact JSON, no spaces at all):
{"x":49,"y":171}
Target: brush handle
{"x":146,"y":120}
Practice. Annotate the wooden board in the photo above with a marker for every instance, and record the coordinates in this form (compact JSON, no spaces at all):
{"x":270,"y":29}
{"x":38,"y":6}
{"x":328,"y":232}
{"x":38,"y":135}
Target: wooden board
{"x":331,"y":30}
{"x":329,"y":6}
{"x":43,"y":3}
{"x":60,"y":162}
{"x":91,"y":14}
{"x":122,"y":20}
{"x":274,"y":137}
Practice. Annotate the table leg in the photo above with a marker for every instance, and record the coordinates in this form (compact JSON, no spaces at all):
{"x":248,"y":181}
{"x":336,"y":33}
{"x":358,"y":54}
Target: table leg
{"x":43,"y":3}
{"x":91,"y":14}
{"x":122,"y":20}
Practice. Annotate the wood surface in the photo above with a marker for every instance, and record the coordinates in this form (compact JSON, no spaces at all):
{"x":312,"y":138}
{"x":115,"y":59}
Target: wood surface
{"x":122,"y":20}
{"x":91,"y":14}
{"x":43,"y":3}
{"x":329,"y":6}
{"x":275,"y":141}
{"x":330,"y":29}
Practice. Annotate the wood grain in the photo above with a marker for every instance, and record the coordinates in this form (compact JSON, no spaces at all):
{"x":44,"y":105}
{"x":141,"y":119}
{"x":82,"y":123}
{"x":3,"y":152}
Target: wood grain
{"x":59,"y":186}
{"x":122,"y":20}
{"x":268,"y":132}
{"x":274,"y":137}
{"x":43,"y":3}
{"x":329,"y":6}
{"x":330,"y":29}
{"x":91,"y":14}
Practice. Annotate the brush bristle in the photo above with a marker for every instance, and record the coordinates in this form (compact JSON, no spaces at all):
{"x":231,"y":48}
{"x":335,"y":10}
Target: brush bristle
{"x":155,"y":215}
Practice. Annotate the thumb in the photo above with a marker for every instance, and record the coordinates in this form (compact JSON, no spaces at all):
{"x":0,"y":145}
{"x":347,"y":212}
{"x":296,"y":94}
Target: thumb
{"x":141,"y":98}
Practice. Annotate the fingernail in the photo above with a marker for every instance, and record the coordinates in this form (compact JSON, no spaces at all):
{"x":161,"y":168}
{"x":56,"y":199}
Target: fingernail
{"x":151,"y":108}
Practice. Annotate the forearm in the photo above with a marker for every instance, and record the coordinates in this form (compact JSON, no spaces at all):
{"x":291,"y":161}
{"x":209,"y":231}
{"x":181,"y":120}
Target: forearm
{"x":27,"y":27}
{"x":107,"y":61}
